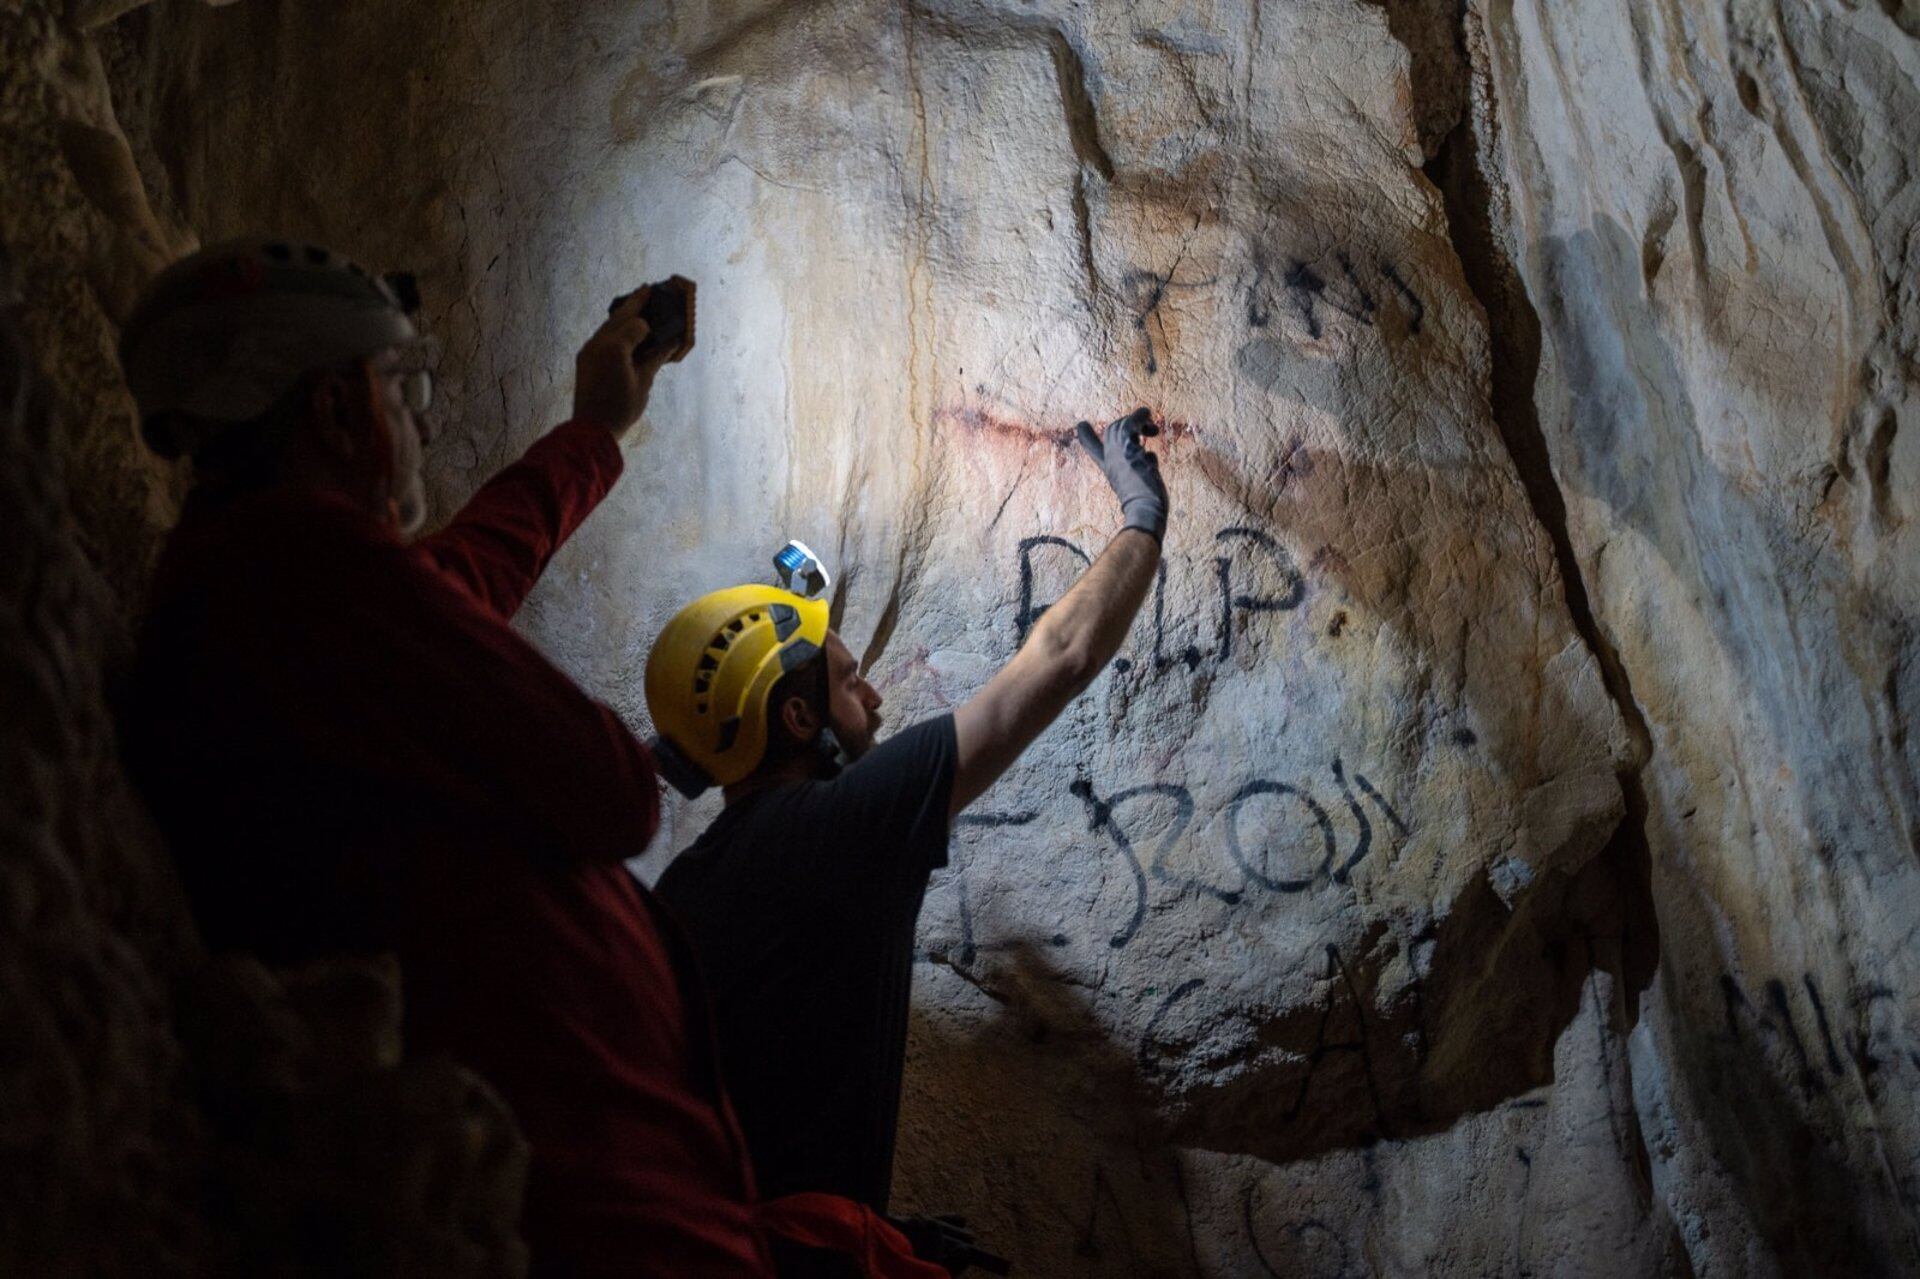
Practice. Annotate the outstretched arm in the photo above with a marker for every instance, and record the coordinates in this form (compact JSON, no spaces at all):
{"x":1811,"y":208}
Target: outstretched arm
{"x":1075,"y":638}
{"x":501,"y":540}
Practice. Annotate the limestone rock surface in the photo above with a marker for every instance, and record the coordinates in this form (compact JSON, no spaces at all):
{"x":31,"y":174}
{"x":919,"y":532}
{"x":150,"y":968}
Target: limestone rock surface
{"x":1712,"y":212}
{"x":1539,"y":604}
{"x":1342,"y":783}
{"x":142,"y":1084}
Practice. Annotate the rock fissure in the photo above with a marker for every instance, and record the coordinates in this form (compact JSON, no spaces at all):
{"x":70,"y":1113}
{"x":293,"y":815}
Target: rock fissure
{"x":1083,"y":123}
{"x":1458,"y":167}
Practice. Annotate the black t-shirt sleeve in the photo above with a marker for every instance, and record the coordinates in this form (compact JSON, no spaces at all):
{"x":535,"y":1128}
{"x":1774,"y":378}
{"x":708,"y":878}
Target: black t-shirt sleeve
{"x":890,"y":807}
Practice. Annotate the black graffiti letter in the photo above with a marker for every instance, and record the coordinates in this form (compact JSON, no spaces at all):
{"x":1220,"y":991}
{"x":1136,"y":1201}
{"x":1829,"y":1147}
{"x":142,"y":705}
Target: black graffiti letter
{"x":1190,"y":655}
{"x":1323,"y":1047}
{"x":1381,"y":800}
{"x":968,"y":951}
{"x":1029,"y":611}
{"x":1293,"y":585}
{"x":1826,"y":1030}
{"x":1810,"y":1081}
{"x":1303,"y":286}
{"x":1239,"y":852}
{"x":1100,"y":817}
{"x":1364,"y":843}
{"x":1149,"y":1046}
{"x":1417,"y":309}
{"x":1183,"y":817}
{"x":1366,"y":306}
{"x":1308,"y":290}
{"x":1778,"y":1023}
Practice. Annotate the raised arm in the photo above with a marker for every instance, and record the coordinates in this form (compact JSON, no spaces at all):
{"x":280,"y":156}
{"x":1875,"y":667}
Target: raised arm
{"x":1075,"y":638}
{"x":501,"y":540}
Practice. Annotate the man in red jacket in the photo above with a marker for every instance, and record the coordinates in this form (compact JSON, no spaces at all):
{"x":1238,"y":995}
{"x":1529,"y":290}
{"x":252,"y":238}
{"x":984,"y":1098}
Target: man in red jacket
{"x":351,"y":750}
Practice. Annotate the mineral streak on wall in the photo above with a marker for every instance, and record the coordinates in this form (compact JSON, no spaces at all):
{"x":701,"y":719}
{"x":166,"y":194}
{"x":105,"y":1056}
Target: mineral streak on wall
{"x":1539,"y":604}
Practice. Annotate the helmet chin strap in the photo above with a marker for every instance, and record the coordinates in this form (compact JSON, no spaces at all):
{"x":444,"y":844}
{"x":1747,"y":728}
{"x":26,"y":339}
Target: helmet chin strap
{"x":827,"y":746}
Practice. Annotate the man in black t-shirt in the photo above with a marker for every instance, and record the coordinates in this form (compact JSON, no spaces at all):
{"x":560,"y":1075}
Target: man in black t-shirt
{"x":801,"y":901}
{"x":801,"y":898}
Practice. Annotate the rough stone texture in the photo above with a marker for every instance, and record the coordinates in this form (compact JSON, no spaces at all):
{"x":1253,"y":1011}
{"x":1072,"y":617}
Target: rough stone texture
{"x":164,"y":1115}
{"x":1534,"y":378}
{"x":334,"y":1156}
{"x":94,"y":1129}
{"x":1713,"y":211}
{"x":83,"y":238}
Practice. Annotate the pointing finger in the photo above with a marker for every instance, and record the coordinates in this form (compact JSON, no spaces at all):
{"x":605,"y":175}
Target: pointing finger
{"x":1090,"y":442}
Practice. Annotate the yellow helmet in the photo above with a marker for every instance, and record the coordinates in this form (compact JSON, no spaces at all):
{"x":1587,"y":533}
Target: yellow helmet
{"x":710,"y":674}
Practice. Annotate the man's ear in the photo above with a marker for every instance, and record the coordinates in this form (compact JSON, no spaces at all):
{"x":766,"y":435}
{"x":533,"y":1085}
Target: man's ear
{"x":329,"y":417}
{"x":798,"y":719}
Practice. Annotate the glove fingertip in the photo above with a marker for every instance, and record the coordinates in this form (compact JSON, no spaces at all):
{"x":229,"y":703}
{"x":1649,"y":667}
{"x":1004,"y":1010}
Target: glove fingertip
{"x":1089,"y":441}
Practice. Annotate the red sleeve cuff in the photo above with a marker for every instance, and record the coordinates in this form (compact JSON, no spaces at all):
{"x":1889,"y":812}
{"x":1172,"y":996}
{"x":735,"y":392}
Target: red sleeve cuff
{"x":595,"y":443}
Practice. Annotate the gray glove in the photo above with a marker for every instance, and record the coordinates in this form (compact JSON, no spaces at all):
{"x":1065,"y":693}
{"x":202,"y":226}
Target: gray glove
{"x":1133,"y":472}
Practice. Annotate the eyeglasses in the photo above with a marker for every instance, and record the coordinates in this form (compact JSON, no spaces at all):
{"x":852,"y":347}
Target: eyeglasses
{"x":413,"y":370}
{"x":416,"y":390}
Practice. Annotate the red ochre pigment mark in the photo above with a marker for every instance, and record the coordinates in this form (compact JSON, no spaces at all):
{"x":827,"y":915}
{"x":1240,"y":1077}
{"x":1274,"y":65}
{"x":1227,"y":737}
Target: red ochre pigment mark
{"x":985,"y":422}
{"x":920,"y":663}
{"x":978,"y":421}
{"x":1329,"y":560}
{"x":1297,"y":461}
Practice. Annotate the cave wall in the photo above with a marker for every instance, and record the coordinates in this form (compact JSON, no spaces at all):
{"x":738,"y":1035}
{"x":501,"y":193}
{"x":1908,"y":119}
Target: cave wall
{"x":96,"y":1127}
{"x":1712,"y":210}
{"x":1538,"y":602}
{"x":166,"y":1112}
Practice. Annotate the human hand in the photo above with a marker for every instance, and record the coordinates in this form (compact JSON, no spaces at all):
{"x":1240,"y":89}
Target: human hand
{"x":614,"y":372}
{"x":946,"y":1242}
{"x":1133,"y":472}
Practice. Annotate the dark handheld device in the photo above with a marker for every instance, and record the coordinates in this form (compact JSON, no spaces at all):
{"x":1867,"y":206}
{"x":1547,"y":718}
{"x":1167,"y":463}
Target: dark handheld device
{"x":665,"y":313}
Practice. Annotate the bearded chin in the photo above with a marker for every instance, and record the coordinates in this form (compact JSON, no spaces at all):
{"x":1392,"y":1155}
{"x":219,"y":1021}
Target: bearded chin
{"x":858,"y":744}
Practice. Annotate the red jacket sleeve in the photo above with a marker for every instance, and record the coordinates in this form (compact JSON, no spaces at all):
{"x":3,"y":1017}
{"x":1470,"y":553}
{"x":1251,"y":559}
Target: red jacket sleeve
{"x":501,"y":540}
{"x":393,"y":682}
